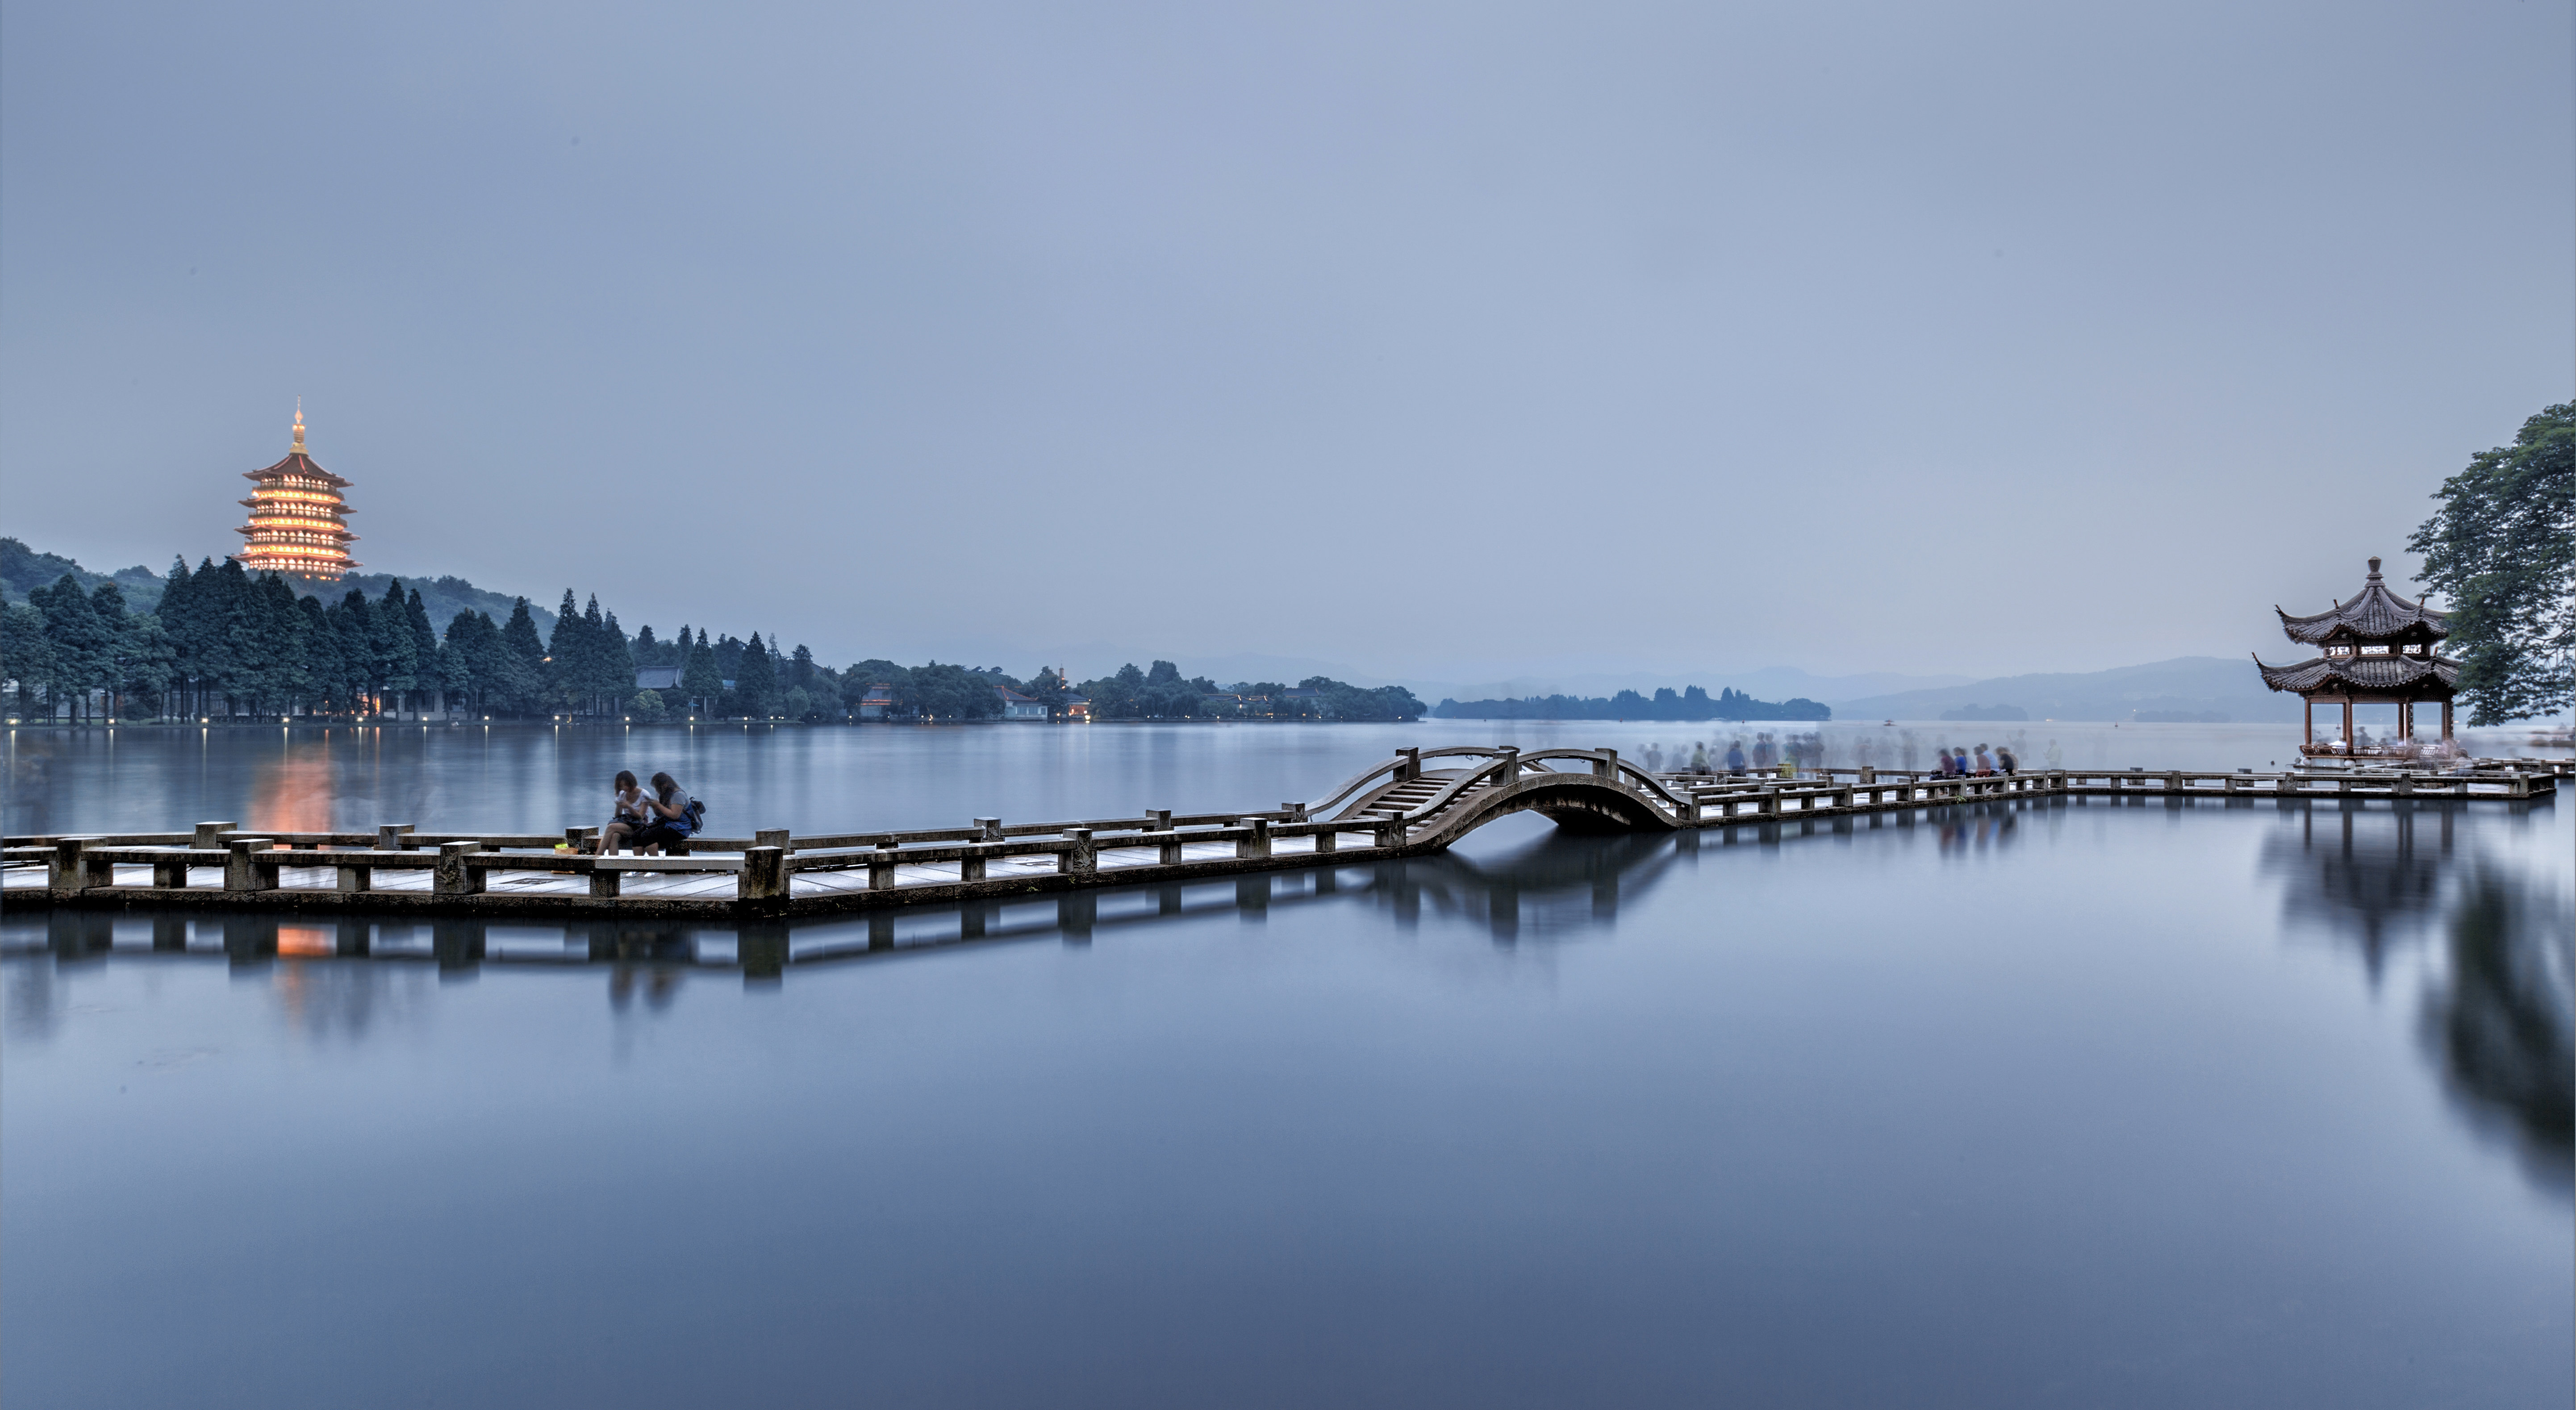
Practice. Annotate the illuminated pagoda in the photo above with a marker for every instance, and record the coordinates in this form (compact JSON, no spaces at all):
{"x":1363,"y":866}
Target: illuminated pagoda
{"x":2378,"y":649}
{"x":296,"y":518}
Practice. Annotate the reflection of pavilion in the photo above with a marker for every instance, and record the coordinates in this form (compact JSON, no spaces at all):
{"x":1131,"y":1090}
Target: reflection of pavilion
{"x":2372,"y":877}
{"x":2501,"y":1019}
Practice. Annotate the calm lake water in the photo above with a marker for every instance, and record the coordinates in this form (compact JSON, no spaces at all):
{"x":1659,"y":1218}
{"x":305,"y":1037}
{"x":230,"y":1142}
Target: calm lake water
{"x":2066,"y":1105}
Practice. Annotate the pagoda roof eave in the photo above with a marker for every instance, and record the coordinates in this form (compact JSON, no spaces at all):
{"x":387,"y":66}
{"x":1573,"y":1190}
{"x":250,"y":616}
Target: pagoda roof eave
{"x":298,"y":463}
{"x":2374,"y":615}
{"x":2364,"y":675}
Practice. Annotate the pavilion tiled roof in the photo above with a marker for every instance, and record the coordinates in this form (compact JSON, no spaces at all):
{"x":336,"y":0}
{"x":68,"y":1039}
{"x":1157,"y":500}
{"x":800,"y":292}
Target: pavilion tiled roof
{"x":2377,"y":614}
{"x":2362,"y":674}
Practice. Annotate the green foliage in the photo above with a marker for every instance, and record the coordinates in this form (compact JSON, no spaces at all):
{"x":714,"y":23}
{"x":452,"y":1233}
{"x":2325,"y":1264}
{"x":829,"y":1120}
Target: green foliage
{"x":700,"y":681}
{"x":647,"y":705}
{"x":2503,"y":548}
{"x":952,"y":693}
{"x":755,"y":681}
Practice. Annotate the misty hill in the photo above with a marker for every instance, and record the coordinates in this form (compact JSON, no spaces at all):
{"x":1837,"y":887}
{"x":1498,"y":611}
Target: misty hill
{"x":2186,"y":688}
{"x":23,"y":569}
{"x":1691,"y":704}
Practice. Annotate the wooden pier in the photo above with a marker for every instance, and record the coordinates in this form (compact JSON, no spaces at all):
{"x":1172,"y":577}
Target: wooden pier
{"x":1415,"y":803}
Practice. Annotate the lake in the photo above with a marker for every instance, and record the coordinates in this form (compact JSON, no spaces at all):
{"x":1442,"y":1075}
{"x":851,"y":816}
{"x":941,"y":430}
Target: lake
{"x":2074,"y":1104}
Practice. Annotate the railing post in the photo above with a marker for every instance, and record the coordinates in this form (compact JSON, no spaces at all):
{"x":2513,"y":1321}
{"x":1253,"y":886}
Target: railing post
{"x":1390,"y":830}
{"x":990,"y":827}
{"x":1257,"y":844}
{"x":394,"y":837}
{"x":1868,"y":775}
{"x":604,"y":882}
{"x":1296,"y":811}
{"x":1607,"y":766}
{"x":1510,"y":772}
{"x":245,"y":866}
{"x":772,"y":837}
{"x":881,"y":867}
{"x":1082,"y":858}
{"x":970,"y":867}
{"x":68,"y":872}
{"x":764,"y":874}
{"x":1411,"y":768}
{"x":347,"y":877}
{"x":209,"y":835}
{"x":170,"y":872}
{"x":1328,"y":841}
{"x":455,"y":876}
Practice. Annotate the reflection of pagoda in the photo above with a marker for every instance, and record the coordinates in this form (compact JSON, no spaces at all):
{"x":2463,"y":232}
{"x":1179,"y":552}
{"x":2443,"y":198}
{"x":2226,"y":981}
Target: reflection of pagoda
{"x":295,"y":518}
{"x":2378,"y":649}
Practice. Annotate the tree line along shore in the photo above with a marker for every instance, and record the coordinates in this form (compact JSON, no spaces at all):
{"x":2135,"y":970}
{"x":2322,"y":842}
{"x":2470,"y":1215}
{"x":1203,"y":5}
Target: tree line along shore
{"x":221,"y":643}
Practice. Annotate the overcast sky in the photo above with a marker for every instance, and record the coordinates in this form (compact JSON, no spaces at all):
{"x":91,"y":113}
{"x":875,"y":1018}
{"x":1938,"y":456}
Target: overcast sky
{"x":1462,"y":342}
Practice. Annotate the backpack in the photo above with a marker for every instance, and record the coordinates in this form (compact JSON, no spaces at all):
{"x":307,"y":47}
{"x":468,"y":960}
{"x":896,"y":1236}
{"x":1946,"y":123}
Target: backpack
{"x":696,"y":813}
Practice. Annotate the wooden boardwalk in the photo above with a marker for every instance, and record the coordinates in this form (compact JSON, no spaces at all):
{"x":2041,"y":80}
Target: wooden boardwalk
{"x":1417,"y":802}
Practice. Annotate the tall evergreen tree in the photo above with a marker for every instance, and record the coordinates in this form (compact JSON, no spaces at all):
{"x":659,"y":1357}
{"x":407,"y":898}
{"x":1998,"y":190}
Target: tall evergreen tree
{"x":701,"y":681}
{"x":755,"y":681}
{"x":427,"y":672}
{"x":522,"y":682}
{"x":81,"y":656}
{"x":396,"y":652}
{"x":564,"y":654}
{"x":614,"y":663}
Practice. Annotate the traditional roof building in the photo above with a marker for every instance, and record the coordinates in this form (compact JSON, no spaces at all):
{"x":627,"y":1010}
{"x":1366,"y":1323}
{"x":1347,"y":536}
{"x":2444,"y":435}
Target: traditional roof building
{"x":2378,"y":649}
{"x":295,"y":518}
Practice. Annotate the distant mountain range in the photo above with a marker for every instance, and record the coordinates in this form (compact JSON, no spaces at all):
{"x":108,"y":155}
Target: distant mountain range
{"x":2208,"y":688}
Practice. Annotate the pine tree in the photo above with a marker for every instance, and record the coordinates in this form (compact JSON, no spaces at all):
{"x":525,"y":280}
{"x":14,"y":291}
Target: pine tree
{"x":427,"y":671}
{"x":564,"y":654}
{"x":615,"y":666}
{"x":700,"y":680}
{"x":521,"y":681}
{"x":396,"y":652}
{"x":756,"y":679}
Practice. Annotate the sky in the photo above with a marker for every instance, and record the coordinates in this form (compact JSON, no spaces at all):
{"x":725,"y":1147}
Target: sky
{"x":1471,"y":341}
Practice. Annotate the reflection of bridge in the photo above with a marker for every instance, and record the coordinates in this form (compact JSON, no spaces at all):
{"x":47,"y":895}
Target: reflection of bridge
{"x":1415,"y":803}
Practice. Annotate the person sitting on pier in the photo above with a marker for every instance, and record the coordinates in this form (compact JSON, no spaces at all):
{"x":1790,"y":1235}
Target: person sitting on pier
{"x":1735,"y":758}
{"x":671,"y":816}
{"x":2005,"y":761}
{"x":1985,"y":763}
{"x":626,"y":814}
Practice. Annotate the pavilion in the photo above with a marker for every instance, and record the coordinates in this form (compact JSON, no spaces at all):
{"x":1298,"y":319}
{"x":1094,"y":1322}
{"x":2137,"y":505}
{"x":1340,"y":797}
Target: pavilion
{"x":2377,"y":649}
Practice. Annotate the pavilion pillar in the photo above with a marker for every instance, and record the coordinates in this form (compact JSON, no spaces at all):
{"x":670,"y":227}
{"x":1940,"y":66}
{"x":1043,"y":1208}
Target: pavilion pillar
{"x":2446,"y":719}
{"x":2347,"y":726}
{"x":2307,"y":721}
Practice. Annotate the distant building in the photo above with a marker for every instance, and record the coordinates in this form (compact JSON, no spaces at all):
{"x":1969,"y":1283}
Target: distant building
{"x":1078,"y":708}
{"x":296,"y":515}
{"x":657,"y":678}
{"x":1016,"y":706}
{"x":875,"y":701}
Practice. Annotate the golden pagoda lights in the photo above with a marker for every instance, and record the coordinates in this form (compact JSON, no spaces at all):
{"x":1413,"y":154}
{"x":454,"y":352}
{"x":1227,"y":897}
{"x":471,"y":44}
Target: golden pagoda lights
{"x":296,"y":515}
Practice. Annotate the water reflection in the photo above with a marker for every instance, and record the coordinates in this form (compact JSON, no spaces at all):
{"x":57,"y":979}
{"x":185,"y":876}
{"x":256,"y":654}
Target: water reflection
{"x":2370,"y":876}
{"x":2503,"y":1019}
{"x":2499,"y":1014}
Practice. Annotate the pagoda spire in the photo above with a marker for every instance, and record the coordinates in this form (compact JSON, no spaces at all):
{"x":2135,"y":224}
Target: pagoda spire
{"x":298,"y":448}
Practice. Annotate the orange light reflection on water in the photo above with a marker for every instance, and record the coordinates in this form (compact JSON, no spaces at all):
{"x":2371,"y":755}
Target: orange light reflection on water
{"x":293,"y":794}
